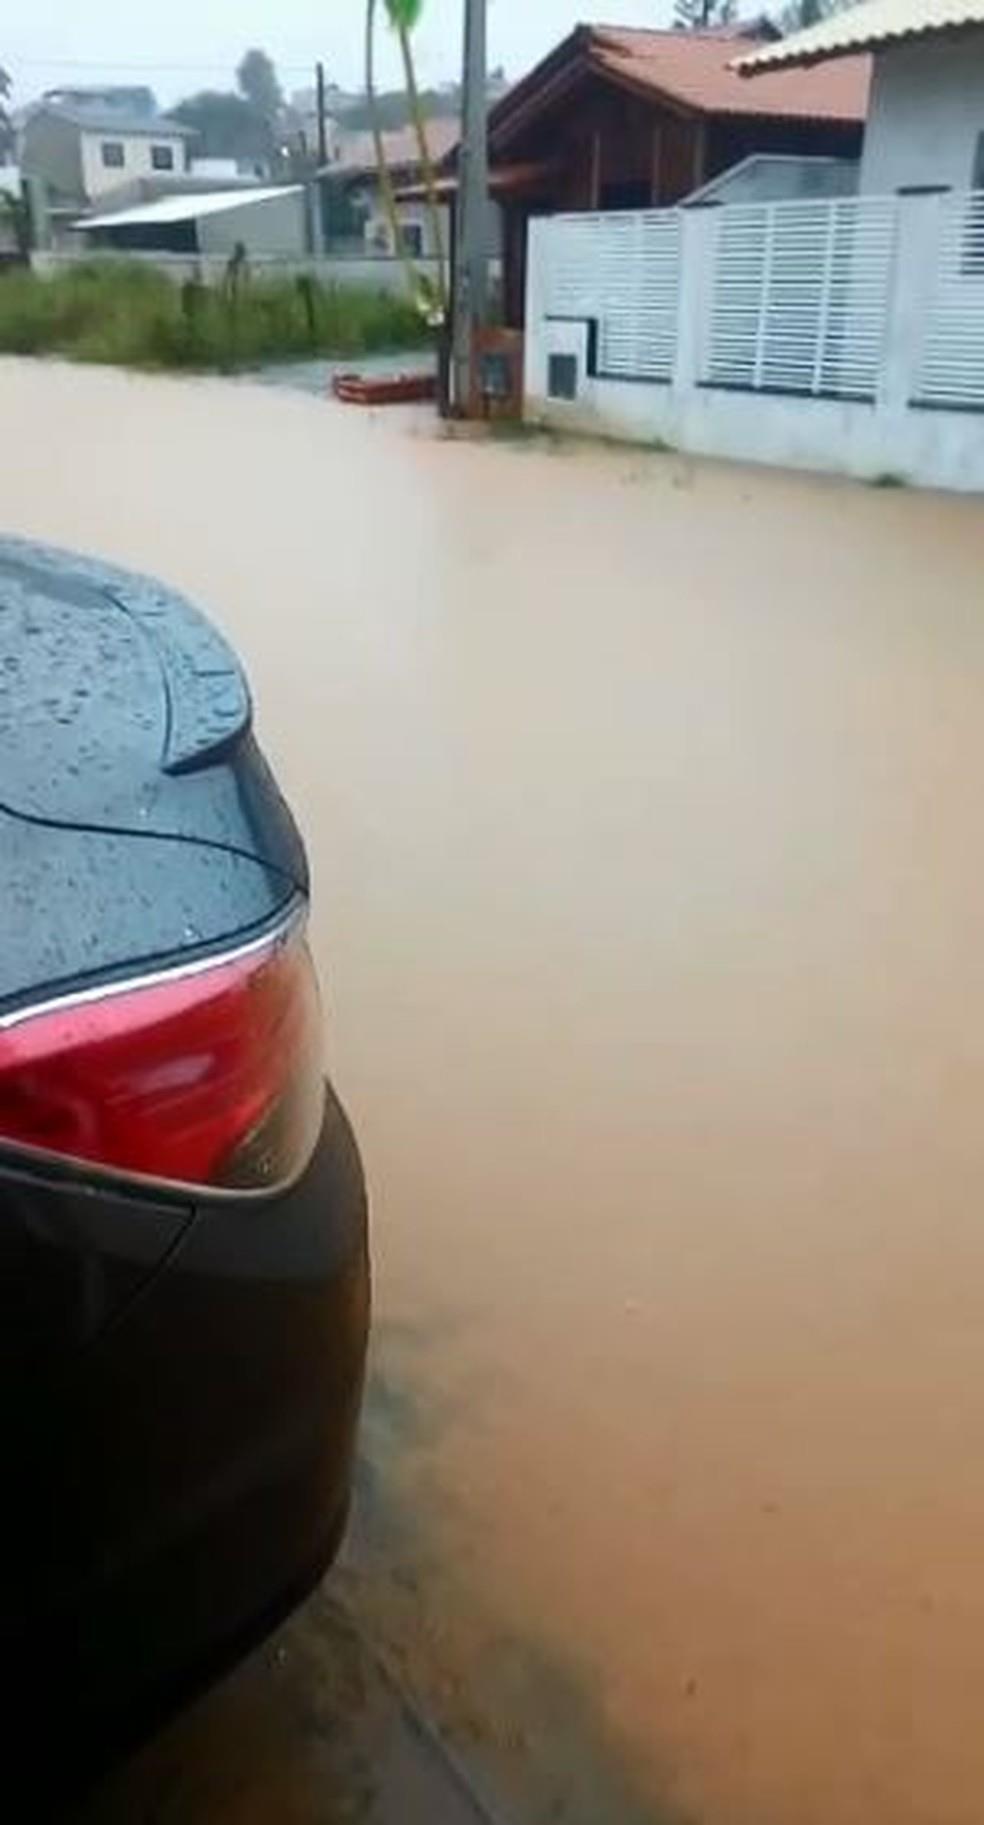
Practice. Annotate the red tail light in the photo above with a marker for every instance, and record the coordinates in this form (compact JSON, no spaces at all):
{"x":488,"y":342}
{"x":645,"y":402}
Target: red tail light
{"x":211,"y":1076}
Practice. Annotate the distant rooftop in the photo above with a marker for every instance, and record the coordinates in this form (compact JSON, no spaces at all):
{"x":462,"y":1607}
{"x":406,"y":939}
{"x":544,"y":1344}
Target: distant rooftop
{"x":134,"y":98}
{"x":358,"y":152}
{"x":113,"y":110}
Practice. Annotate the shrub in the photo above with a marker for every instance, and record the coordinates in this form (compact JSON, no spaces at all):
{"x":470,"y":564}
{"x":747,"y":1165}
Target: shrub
{"x":131,"y":314}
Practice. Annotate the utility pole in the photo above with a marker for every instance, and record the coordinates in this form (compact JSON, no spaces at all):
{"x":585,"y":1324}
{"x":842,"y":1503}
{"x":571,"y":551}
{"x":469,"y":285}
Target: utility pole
{"x":471,"y":263}
{"x":319,"y":77}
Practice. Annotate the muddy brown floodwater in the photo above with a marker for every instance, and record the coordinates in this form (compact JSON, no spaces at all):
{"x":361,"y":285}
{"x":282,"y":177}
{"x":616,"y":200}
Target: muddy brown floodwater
{"x":644,"y":800}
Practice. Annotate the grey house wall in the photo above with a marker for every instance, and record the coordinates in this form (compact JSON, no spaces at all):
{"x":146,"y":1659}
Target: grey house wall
{"x":275,"y":226}
{"x":52,"y":151}
{"x":926,"y":114}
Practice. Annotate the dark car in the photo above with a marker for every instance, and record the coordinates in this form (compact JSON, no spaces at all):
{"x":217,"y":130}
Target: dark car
{"x":183,"y":1266}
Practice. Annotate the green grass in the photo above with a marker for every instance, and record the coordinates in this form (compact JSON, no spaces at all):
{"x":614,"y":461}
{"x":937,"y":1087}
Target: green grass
{"x":134,"y":316}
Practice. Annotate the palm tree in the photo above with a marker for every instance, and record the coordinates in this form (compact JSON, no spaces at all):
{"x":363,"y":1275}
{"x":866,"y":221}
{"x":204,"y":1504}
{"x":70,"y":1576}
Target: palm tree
{"x":385,"y":181}
{"x":403,"y":16}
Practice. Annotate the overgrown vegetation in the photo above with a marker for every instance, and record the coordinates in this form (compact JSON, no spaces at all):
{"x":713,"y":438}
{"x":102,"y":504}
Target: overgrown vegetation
{"x":135,"y":316}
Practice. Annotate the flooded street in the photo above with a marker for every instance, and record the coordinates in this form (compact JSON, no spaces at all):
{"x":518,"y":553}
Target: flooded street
{"x":642,"y":798}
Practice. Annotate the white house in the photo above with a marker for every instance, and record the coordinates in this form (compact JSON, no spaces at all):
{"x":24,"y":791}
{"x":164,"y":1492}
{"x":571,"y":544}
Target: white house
{"x":84,"y":144}
{"x":841,"y":332}
{"x":926,"y":113}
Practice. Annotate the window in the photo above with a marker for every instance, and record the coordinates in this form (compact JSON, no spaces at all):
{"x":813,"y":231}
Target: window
{"x":113,"y":156}
{"x":162,"y":158}
{"x":562,"y":376}
{"x":412,"y":235}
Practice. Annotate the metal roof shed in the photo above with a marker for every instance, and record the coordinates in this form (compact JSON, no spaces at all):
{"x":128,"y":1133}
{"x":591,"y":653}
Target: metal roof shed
{"x":268,"y":221}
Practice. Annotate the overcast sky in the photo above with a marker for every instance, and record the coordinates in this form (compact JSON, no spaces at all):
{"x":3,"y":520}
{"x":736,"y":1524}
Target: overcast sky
{"x":189,"y":44}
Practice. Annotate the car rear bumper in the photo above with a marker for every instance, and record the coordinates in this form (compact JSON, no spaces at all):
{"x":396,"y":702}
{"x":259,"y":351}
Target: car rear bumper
{"x":197,"y":1473}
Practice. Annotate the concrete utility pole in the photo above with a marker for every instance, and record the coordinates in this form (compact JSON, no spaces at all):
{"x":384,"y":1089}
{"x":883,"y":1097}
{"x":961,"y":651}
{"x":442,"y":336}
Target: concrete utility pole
{"x":471,"y":262}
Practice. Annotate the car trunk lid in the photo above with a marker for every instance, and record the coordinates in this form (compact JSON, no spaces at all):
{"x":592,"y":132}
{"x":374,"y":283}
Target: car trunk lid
{"x":122,"y":709}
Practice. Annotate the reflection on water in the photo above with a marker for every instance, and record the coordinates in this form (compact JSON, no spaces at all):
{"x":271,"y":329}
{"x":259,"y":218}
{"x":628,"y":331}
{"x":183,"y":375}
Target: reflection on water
{"x":642,"y":802}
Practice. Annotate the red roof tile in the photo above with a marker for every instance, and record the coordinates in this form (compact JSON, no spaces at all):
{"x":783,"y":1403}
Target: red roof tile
{"x":358,"y":152}
{"x":692,"y":68}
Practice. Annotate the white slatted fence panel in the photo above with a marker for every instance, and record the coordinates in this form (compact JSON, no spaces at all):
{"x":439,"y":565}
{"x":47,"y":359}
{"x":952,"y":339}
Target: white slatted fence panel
{"x":951,"y":366}
{"x":568,"y":272}
{"x":800,"y":296}
{"x":624,"y":272}
{"x":640,"y":289}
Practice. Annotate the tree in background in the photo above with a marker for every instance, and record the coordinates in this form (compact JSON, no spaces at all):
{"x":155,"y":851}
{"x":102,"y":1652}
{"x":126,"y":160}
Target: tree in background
{"x":798,"y":14}
{"x":703,"y":15}
{"x":12,"y":206}
{"x":18,"y":214}
{"x":393,"y":106}
{"x":257,"y":79}
{"x":244,"y":125}
{"x":227,"y":125}
{"x":393,"y":109}
{"x":6,"y":129}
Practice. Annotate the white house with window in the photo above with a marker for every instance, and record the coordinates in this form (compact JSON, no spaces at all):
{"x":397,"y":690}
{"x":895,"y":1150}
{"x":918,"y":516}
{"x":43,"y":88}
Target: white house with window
{"x":840,"y":332}
{"x":926,"y":109}
{"x":111,"y":155}
{"x":84,"y":144}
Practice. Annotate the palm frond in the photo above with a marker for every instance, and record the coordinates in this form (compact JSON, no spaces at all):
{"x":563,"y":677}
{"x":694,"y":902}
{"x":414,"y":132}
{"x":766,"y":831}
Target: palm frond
{"x":404,"y":15}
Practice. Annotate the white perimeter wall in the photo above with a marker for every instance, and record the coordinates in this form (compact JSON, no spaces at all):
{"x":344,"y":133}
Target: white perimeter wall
{"x":925,"y":114}
{"x":884,"y":437}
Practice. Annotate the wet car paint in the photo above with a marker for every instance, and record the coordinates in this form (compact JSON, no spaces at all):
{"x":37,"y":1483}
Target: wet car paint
{"x":138,"y":818}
